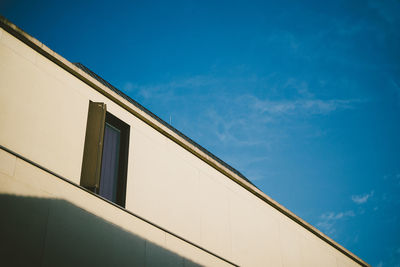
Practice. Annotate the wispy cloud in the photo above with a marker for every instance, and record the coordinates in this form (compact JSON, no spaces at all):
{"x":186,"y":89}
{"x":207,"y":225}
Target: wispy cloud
{"x":299,"y":98}
{"x":303,"y":106}
{"x":361,"y":199}
{"x":233,"y":116}
{"x":248,"y":120}
{"x":226,"y":128}
{"x":391,"y":259}
{"x":226,"y":115}
{"x":393,"y":178}
{"x":328,"y":220}
{"x":162,"y":90}
{"x":128,"y":87}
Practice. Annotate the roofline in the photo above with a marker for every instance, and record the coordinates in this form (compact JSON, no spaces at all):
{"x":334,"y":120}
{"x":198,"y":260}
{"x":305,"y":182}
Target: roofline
{"x":135,"y":103}
{"x":166,"y":131}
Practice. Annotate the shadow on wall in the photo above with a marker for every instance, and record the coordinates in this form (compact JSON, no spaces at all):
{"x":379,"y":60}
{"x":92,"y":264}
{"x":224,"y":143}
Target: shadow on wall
{"x":53,"y":232}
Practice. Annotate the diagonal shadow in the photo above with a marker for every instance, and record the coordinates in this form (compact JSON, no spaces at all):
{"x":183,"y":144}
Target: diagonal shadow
{"x":53,"y":232}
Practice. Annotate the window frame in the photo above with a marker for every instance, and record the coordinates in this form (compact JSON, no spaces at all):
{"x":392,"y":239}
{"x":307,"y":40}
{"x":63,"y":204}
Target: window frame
{"x":124,"y":129}
{"x":93,"y":150}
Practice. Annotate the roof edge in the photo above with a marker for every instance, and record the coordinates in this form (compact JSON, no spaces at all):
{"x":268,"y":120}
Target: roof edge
{"x":155,"y":124}
{"x":169,"y":126}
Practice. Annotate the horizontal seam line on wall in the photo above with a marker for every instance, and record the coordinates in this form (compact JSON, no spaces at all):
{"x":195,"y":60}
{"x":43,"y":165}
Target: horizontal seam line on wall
{"x":112,"y":203}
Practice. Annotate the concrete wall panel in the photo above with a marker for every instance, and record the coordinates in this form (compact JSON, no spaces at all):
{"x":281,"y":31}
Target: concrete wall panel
{"x":72,"y":227}
{"x":39,"y":119}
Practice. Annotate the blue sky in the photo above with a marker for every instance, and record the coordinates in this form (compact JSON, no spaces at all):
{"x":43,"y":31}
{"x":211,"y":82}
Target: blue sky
{"x":302,"y":97}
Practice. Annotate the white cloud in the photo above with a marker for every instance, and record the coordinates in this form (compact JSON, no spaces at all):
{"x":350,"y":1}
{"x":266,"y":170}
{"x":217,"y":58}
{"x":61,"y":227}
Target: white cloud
{"x":226,"y":128}
{"x":128,"y":87}
{"x":328,"y":220}
{"x":303,"y":102}
{"x":232,"y":116}
{"x":166,"y":90}
{"x":361,"y":199}
{"x":331,"y":216}
{"x":393,"y":178}
{"x":303,"y":106}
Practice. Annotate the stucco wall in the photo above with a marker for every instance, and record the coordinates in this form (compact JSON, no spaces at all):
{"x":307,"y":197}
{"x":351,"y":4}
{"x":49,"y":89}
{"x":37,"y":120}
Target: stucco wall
{"x":43,"y":112}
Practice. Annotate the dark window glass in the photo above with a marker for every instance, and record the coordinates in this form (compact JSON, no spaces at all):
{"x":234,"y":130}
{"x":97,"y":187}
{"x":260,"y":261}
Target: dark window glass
{"x":114,"y":163}
{"x":110,"y":163}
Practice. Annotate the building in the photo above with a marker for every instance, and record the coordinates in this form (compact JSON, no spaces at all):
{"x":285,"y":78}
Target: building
{"x":89,"y":177}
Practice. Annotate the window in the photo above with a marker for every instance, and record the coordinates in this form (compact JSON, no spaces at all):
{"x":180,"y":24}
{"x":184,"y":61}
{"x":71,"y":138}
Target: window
{"x":105,"y":157}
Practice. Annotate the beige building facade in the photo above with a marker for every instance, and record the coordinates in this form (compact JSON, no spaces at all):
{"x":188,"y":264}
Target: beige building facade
{"x":165,"y":202}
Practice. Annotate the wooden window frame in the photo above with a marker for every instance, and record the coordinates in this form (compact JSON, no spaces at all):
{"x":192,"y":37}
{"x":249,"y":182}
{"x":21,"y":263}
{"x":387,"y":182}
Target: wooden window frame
{"x":93,"y":150}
